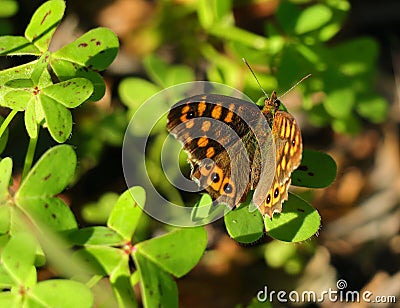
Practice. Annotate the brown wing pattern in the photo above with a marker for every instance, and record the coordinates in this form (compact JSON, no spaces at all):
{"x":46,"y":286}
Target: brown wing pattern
{"x":211,"y":128}
{"x":288,"y":142}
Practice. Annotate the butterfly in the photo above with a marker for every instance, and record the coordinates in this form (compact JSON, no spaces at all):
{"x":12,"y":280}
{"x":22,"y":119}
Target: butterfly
{"x":235,"y":146}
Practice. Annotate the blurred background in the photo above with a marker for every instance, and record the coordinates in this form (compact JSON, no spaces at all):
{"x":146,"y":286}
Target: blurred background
{"x":349,"y":108}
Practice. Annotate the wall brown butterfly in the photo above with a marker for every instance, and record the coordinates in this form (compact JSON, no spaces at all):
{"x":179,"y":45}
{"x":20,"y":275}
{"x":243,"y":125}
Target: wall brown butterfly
{"x":227,"y":139}
{"x":203,"y":124}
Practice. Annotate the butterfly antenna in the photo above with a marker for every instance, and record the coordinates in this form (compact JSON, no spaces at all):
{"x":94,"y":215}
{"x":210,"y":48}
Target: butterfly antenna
{"x":295,"y":85}
{"x":251,"y":70}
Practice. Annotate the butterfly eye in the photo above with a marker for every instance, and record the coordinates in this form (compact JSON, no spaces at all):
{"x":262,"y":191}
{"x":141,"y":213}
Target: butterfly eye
{"x":268,"y":198}
{"x":190,"y":115}
{"x":215,"y":177}
{"x":228,"y":188}
{"x":293,"y":142}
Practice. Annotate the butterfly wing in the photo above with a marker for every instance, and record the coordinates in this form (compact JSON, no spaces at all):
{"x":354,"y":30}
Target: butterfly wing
{"x":289,"y":148}
{"x":216,"y":131}
{"x":227,"y":177}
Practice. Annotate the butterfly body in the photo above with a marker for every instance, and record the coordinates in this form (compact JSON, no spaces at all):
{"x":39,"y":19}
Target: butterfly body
{"x":234,"y":147}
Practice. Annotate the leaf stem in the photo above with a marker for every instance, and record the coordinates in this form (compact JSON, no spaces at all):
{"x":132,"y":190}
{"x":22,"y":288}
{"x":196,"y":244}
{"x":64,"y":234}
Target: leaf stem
{"x":93,"y":281}
{"x":7,"y":121}
{"x":30,"y":153}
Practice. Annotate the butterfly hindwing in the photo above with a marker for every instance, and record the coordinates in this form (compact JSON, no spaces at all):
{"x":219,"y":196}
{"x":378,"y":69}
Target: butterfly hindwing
{"x":288,"y":146}
{"x":227,"y":177}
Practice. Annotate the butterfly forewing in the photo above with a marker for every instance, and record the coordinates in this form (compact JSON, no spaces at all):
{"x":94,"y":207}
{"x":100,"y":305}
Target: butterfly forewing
{"x":221,"y":135}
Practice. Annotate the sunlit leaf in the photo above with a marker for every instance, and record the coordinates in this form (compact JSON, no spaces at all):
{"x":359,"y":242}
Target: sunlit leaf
{"x":60,"y":293}
{"x":17,"y":99}
{"x":135,"y":91}
{"x":70,"y":93}
{"x":313,"y":18}
{"x":243,"y":225}
{"x":44,"y":22}
{"x":316,"y":170}
{"x":17,"y":45}
{"x":176,"y":252}
{"x":98,"y":235}
{"x":339,"y":103}
{"x":157,"y":286}
{"x":18,"y":258}
{"x":45,"y":178}
{"x":297,"y":222}
{"x":58,"y":118}
{"x":96,"y":49}
{"x":127,"y":211}
{"x":374,"y":108}
{"x":30,"y":118}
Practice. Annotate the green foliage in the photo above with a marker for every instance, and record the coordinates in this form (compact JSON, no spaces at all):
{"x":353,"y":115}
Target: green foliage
{"x":18,"y":273}
{"x":294,"y":45}
{"x":309,"y":173}
{"x":30,"y":88}
{"x":125,"y":217}
{"x":174,"y":253}
{"x":243,"y":225}
{"x":292,"y":258}
{"x":36,"y":194}
{"x":98,"y":212}
{"x":37,"y":226}
{"x":166,"y":251}
{"x":298,"y":220}
{"x":135,"y":91}
{"x":3,"y":136}
{"x":8,"y":8}
{"x":105,"y":249}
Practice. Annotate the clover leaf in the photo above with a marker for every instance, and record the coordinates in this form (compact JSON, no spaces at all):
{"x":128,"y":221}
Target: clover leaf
{"x":30,"y":87}
{"x":36,"y":195}
{"x":298,"y":220}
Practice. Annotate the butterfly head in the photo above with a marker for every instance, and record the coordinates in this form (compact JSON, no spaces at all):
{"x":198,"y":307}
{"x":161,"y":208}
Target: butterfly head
{"x":271,"y":105}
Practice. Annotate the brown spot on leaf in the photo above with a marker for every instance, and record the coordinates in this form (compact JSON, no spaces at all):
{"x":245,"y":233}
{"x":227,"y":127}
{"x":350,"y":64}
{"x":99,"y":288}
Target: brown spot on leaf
{"x":303,"y":168}
{"x":83,"y":45}
{"x":44,"y":17}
